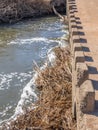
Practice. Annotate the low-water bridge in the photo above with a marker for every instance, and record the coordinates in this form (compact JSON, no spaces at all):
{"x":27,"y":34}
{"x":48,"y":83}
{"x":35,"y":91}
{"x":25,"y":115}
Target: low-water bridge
{"x":83,"y":29}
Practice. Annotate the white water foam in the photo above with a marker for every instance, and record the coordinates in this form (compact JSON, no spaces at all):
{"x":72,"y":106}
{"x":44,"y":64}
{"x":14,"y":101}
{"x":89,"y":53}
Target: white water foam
{"x":51,"y":57}
{"x":28,"y":91}
{"x":5,"y":83}
{"x":31,"y":40}
{"x":27,"y":94}
{"x":6,"y":79}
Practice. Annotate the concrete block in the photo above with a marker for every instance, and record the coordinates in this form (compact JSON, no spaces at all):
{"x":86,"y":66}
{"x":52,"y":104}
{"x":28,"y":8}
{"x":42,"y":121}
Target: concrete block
{"x":82,"y":73}
{"x":87,"y":97}
{"x":77,"y":47}
{"x":74,"y":93}
{"x":79,"y":57}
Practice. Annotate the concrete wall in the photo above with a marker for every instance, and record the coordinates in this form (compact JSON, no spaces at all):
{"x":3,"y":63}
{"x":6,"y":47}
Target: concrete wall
{"x":83,"y":94}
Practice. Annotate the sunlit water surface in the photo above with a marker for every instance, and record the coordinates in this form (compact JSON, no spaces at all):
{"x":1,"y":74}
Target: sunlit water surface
{"x":20,"y":45}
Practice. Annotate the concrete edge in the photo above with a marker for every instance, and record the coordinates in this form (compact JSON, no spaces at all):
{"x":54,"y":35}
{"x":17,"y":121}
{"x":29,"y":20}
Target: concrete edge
{"x":83,"y":94}
{"x":87,"y":97}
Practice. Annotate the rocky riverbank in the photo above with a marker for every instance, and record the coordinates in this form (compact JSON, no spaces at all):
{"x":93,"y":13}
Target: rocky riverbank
{"x":15,"y":10}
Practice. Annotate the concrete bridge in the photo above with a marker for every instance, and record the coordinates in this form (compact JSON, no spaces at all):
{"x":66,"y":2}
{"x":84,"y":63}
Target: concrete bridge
{"x":83,"y":28}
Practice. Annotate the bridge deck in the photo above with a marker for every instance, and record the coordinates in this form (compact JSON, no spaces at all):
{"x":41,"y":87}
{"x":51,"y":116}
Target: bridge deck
{"x":86,"y":13}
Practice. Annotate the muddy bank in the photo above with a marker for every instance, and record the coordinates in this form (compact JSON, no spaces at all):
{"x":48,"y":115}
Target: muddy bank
{"x":15,"y":10}
{"x":53,"y":108}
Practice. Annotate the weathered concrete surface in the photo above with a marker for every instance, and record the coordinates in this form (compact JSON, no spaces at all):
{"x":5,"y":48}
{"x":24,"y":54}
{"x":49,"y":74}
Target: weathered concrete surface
{"x":83,"y":24}
{"x":87,"y":12}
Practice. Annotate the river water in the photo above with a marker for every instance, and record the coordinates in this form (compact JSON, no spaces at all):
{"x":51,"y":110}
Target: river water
{"x":20,"y":45}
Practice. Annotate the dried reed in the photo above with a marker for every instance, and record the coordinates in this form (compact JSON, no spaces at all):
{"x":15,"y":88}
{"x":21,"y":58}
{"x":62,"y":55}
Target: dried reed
{"x":15,"y":10}
{"x":53,"y":109}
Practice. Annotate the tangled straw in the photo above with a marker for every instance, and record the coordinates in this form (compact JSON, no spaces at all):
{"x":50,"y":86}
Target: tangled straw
{"x":53,"y":109}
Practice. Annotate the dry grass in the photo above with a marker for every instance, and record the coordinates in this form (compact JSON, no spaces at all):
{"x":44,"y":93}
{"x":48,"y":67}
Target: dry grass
{"x":14,"y":10}
{"x":53,"y":109}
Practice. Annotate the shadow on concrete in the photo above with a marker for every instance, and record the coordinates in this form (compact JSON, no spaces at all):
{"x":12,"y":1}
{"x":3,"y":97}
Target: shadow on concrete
{"x":78,"y":33}
{"x":92,"y":70}
{"x":77,"y":21}
{"x":72,"y":2}
{"x":95,"y":83}
{"x":96,"y":105}
{"x":76,"y":24}
{"x":77,"y":18}
{"x":88,"y":58}
{"x":85,"y":49}
{"x":80,"y":40}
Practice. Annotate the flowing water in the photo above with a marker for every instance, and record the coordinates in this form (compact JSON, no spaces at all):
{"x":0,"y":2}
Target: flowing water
{"x":20,"y":45}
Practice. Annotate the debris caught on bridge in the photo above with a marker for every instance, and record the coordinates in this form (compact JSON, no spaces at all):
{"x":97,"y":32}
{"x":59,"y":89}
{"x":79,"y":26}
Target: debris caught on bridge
{"x":53,"y":109}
